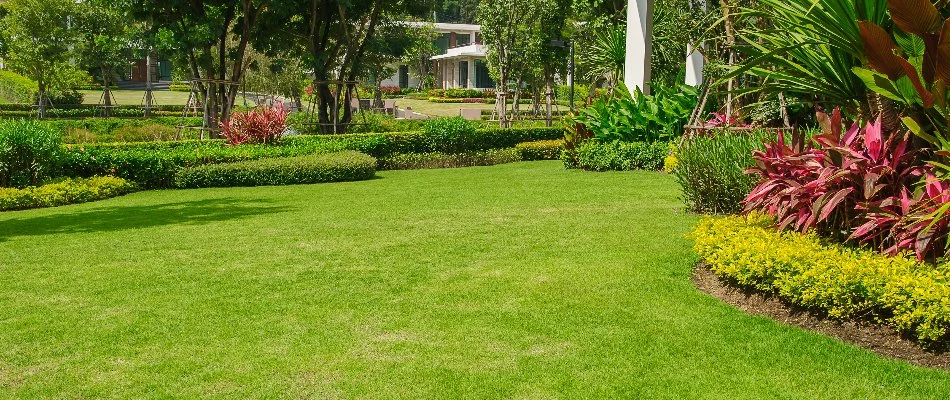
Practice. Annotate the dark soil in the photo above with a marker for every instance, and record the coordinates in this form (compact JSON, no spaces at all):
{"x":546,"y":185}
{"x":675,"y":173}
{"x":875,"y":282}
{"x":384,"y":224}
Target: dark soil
{"x":880,"y":339}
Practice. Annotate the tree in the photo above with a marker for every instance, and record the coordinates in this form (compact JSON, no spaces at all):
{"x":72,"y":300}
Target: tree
{"x":213,"y":36}
{"x":39,"y":42}
{"x":420,"y":53}
{"x":518,"y":34}
{"x":336,"y":37}
{"x":106,"y":31}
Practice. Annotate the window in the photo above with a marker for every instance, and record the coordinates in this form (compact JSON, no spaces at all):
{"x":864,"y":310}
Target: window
{"x":482,"y":77}
{"x":403,"y":76}
{"x":463,"y":74}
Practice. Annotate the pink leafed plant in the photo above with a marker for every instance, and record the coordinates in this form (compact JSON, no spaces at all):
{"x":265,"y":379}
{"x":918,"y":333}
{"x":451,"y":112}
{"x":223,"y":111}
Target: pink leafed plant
{"x":720,"y":120}
{"x":262,"y":125}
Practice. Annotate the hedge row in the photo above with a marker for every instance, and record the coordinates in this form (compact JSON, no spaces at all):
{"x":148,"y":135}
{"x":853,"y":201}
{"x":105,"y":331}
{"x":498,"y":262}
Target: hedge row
{"x":75,"y":113}
{"x":154,"y":164}
{"x":69,"y":191}
{"x":541,"y":150}
{"x":448,"y":160}
{"x":620,"y":156}
{"x":840,"y":281}
{"x":317,"y":168}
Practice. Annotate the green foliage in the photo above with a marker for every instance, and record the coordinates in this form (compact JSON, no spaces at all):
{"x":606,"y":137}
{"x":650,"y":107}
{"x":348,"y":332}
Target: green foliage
{"x":16,"y":88}
{"x":843,"y":282}
{"x":604,"y":58}
{"x":711,"y":169}
{"x":593,"y":155}
{"x":640,"y":117}
{"x":67,"y":191}
{"x":541,"y":150}
{"x":366,"y":122}
{"x":105,"y":130}
{"x":343,"y":166}
{"x":154,"y":164}
{"x":450,"y":134}
{"x":809,"y":49}
{"x":29,"y":152}
{"x":450,"y":160}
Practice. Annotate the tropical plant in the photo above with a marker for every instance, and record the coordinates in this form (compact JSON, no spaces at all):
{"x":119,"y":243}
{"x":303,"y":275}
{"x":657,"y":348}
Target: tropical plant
{"x":808,"y":49}
{"x":913,"y":67}
{"x":639,"y":117}
{"x":262,"y":125}
{"x":823,"y":183}
{"x":604,"y":58}
{"x":29,"y":152}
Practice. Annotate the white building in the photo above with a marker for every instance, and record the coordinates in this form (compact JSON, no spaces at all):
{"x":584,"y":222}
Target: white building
{"x":460,"y":64}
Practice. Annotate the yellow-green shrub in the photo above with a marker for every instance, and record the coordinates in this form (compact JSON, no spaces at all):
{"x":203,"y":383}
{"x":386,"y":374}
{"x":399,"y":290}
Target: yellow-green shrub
{"x":541,"y":150}
{"x":843,"y":282}
{"x":671,"y":161}
{"x":68,"y":191}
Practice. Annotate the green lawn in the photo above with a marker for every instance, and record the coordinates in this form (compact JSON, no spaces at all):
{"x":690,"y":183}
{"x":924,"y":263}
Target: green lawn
{"x":439,"y":109}
{"x":515,"y":281}
{"x":134,"y":97}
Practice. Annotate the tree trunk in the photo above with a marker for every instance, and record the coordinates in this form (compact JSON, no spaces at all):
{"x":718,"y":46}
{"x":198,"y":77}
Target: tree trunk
{"x":41,"y":101}
{"x":548,"y":97}
{"x":501,"y":99}
{"x":106,"y":93}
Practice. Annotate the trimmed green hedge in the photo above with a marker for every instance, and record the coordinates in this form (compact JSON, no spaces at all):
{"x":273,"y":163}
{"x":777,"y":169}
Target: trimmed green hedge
{"x":842,"y":282}
{"x":541,"y":150}
{"x":153,"y":164}
{"x":319,"y":168}
{"x":450,"y":160}
{"x":620,"y":156}
{"x":69,"y":191}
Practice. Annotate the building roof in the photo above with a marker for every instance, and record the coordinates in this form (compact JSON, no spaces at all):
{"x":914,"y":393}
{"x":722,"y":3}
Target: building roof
{"x":471,"y":50}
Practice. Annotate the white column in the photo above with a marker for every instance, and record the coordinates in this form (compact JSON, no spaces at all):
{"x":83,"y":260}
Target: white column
{"x":694,"y":66}
{"x":695,"y":61}
{"x":471,"y":73}
{"x":636,"y":71}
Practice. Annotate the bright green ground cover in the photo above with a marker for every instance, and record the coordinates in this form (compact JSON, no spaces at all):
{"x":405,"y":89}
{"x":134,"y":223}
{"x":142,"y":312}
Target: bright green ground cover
{"x":516,"y":281}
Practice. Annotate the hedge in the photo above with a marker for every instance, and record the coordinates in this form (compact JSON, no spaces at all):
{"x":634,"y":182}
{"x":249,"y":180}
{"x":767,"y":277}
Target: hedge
{"x":830,"y":278}
{"x":153,"y":164}
{"x":318,"y":168}
{"x":541,"y":150}
{"x":69,"y":191}
{"x":447,"y":160}
{"x":620,"y":156}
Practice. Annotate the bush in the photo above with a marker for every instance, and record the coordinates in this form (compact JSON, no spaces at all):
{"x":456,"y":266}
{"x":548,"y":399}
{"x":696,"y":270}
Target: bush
{"x":460,"y":100}
{"x":450,"y":134}
{"x":620,"y":156}
{"x":65,"y":97}
{"x":16,"y":88}
{"x":639,"y":117}
{"x":456,"y":160}
{"x":842,"y":282}
{"x":153,"y":164}
{"x":68,"y":191}
{"x":711,"y":169}
{"x":463,"y":93}
{"x":179,"y":87}
{"x":319,"y":168}
{"x":671,"y":161}
{"x":262,"y":125}
{"x":104,"y":130}
{"x":29,"y":152}
{"x":541,"y":150}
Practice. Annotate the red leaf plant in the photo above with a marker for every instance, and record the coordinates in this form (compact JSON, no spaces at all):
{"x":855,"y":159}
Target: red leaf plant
{"x":721,"y":120}
{"x":261,"y":125}
{"x":832,"y":182}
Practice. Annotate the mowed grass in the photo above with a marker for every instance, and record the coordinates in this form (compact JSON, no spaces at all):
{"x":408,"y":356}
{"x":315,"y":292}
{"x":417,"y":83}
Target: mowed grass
{"x":514,"y":281}
{"x":136,"y":97}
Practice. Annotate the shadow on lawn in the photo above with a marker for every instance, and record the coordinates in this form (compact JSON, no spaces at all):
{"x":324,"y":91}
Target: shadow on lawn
{"x":137,"y":217}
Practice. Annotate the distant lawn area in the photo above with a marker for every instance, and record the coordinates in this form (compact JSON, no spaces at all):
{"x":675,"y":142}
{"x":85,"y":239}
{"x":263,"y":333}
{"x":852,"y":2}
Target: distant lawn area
{"x":438,"y":109}
{"x":134,"y":97}
{"x":519,"y":281}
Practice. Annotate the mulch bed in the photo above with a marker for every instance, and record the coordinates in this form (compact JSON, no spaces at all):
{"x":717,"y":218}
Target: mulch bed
{"x":880,"y":339}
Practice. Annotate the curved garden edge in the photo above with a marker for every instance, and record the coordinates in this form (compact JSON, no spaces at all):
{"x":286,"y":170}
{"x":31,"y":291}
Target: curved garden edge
{"x":880,"y":339}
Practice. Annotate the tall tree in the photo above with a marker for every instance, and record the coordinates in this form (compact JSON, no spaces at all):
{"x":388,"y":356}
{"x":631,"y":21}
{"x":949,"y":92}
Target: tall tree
{"x":106,"y":31}
{"x":518,"y":34}
{"x":336,"y":37}
{"x":213,"y":36}
{"x":39,"y":42}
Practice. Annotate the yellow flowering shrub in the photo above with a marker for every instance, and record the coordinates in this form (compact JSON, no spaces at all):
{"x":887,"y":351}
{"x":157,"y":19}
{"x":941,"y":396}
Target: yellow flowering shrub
{"x":68,"y":191}
{"x":840,"y":281}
